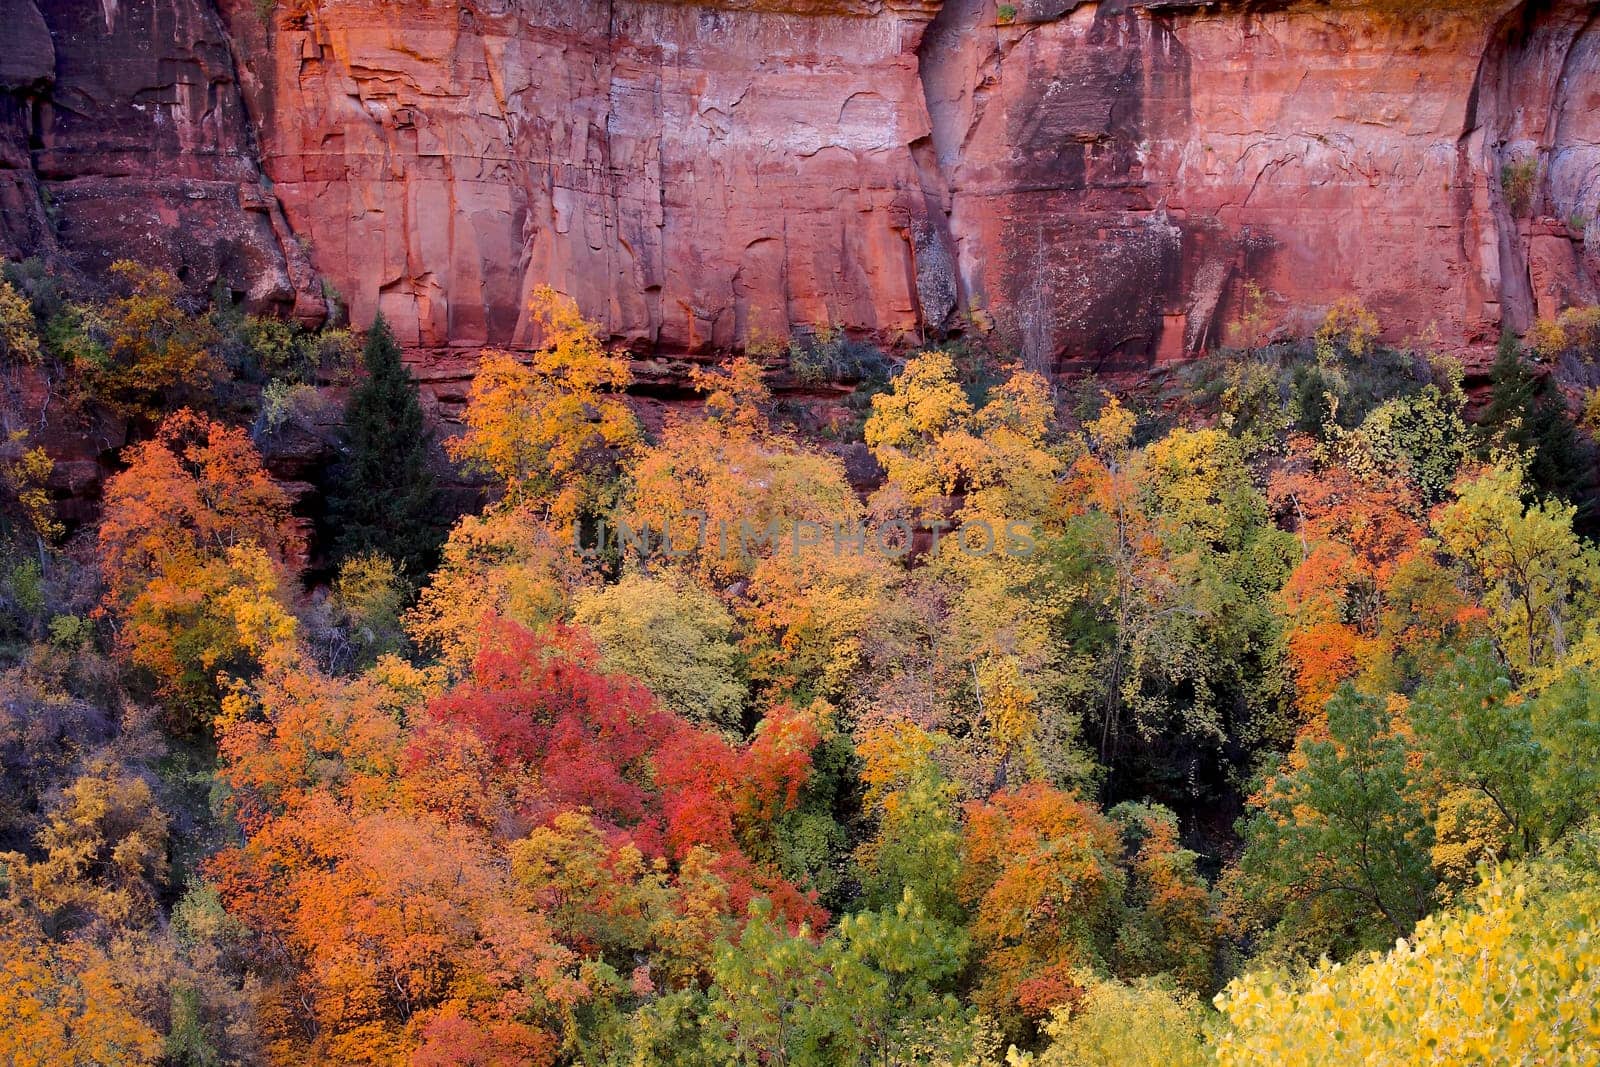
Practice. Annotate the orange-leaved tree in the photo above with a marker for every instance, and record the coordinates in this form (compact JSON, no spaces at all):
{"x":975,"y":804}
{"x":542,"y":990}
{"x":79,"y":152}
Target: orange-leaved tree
{"x":192,"y":546}
{"x":1356,"y":534}
{"x":382,"y":931}
{"x":1042,"y":878}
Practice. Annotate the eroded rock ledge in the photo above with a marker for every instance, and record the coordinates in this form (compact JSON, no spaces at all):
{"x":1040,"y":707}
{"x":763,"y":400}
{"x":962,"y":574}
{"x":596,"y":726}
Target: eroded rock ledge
{"x":1102,"y":180}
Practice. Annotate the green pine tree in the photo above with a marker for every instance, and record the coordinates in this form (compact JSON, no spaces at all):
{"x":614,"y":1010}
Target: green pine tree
{"x":1526,"y":413}
{"x":1511,"y":392}
{"x":384,"y":498}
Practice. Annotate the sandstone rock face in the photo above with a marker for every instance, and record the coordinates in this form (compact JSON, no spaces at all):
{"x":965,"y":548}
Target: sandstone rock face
{"x":1102,"y":180}
{"x":694,"y":177}
{"x":123,"y":134}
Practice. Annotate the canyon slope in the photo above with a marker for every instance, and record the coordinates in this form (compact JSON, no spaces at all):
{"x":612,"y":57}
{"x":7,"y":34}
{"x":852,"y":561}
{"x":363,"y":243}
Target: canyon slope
{"x":1104,"y":183}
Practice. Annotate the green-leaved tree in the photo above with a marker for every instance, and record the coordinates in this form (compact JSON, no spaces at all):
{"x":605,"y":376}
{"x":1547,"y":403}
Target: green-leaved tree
{"x":1339,"y":845}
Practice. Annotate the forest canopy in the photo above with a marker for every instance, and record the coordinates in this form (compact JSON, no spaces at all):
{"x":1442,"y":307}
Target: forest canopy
{"x":1262,"y":729}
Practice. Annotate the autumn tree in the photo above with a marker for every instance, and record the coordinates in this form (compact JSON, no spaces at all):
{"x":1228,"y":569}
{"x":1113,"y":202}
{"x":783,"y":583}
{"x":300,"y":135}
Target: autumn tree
{"x":934,"y":442}
{"x":1171,"y":926}
{"x":1535,"y":578}
{"x":1042,"y":879}
{"x":400,"y":936}
{"x":921,"y":429}
{"x":607,"y":899}
{"x":142,"y":352}
{"x":720,"y":493}
{"x":47,"y":733}
{"x":648,"y":935}
{"x":62,"y":1006}
{"x":810,"y":617}
{"x":474,"y":884}
{"x":1366,"y":598}
{"x":508,"y":563}
{"x":1508,"y":979}
{"x":549,"y":430}
{"x":26,"y":507}
{"x":19,"y":338}
{"x":1419,"y":438}
{"x":1170,"y":564}
{"x":192,"y":545}
{"x":1110,"y":555}
{"x":381,"y":928}
{"x":673,"y":636}
{"x":736,"y":398}
{"x":368,"y":601}
{"x":104,"y":854}
{"x":1144,"y":1023}
{"x":978,"y":475}
{"x":597,"y":741}
{"x":918,"y":845}
{"x":384,"y":499}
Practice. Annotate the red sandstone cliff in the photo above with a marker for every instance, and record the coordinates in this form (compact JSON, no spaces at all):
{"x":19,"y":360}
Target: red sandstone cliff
{"x":1101,"y":179}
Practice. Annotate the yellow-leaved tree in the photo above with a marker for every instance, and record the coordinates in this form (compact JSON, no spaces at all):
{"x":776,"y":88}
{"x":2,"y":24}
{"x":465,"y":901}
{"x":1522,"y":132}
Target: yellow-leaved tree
{"x":1536,"y":579}
{"x":550,"y":430}
{"x":61,"y":1005}
{"x":980,"y":479}
{"x":1512,"y":979}
{"x":510,"y":562}
{"x":1144,"y":1023}
{"x":675,"y":637}
{"x":142,"y":350}
{"x":921,"y":430}
{"x":105,"y":854}
{"x":728,"y":490}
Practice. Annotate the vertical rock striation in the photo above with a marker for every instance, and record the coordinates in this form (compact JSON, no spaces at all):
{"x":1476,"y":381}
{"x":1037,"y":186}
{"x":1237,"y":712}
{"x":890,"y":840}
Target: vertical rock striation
{"x":1102,"y":180}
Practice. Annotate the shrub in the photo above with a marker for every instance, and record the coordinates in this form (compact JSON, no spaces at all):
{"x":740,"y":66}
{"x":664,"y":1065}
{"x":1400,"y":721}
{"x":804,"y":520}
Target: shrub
{"x":335,"y":354}
{"x":1252,"y":409}
{"x":71,"y":632}
{"x":1420,"y":438}
{"x":45,"y":292}
{"x":1348,"y":329}
{"x":292,"y":404}
{"x":1517,"y":180}
{"x":828,"y":355}
{"x":1591,"y":411}
{"x":25,"y":503}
